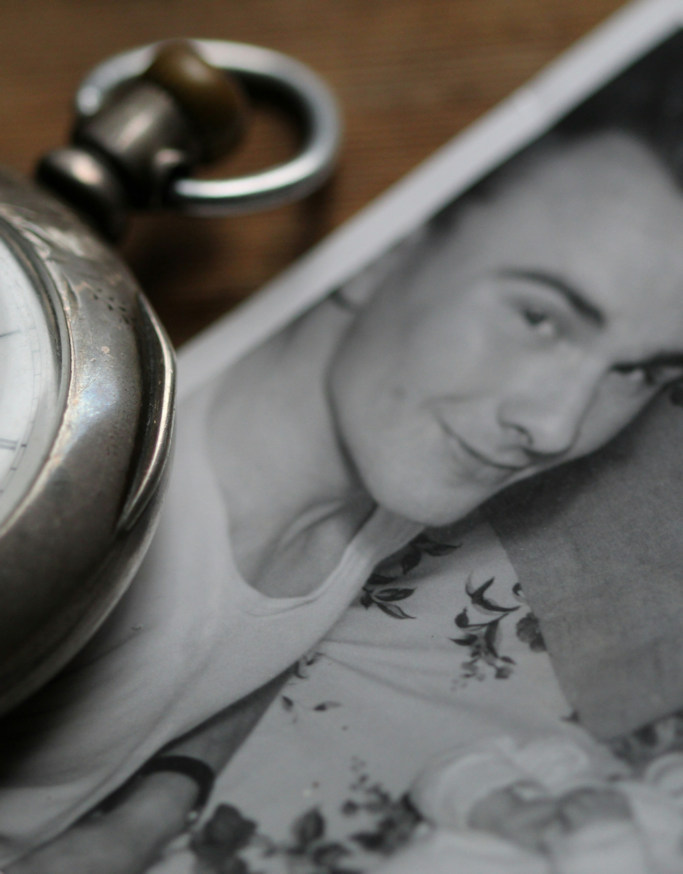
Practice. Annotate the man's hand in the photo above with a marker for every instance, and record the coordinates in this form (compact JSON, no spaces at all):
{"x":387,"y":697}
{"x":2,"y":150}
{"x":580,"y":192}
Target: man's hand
{"x":126,"y":840}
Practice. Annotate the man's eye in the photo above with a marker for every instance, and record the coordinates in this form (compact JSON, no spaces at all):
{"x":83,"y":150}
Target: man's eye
{"x":540,"y":321}
{"x":652,"y":376}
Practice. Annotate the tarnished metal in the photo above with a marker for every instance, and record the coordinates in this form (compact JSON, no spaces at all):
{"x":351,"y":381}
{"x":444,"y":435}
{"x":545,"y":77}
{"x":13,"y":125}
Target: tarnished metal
{"x":72,"y":541}
{"x":180,"y":113}
{"x":261,"y":71}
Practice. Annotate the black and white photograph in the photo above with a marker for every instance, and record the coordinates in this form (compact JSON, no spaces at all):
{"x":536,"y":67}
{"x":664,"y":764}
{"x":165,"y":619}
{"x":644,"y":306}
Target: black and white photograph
{"x":414,"y":599}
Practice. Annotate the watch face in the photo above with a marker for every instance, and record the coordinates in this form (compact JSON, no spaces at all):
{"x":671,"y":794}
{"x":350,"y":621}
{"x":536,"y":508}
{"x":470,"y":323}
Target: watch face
{"x":29,"y":377}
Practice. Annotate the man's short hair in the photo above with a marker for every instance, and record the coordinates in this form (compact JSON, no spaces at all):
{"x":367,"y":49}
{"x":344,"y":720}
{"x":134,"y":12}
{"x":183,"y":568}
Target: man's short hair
{"x":645,"y":101}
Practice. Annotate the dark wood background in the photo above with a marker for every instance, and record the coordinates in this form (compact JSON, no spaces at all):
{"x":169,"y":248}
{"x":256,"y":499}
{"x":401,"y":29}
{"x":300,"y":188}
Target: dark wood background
{"x":409,"y":74}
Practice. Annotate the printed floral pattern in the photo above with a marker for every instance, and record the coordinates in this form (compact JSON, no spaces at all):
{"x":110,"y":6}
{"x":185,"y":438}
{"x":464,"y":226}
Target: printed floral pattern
{"x":528,"y":630}
{"x":381,"y":590}
{"x":482,"y":637}
{"x":219,"y":846}
{"x":640,"y":747}
{"x":378,"y":822}
{"x":391,"y":582}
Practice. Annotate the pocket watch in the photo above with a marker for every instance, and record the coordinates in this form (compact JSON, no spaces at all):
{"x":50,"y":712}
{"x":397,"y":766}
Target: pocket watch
{"x":86,"y":370}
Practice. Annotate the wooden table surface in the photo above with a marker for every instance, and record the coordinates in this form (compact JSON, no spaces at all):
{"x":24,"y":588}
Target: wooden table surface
{"x":409,"y":74}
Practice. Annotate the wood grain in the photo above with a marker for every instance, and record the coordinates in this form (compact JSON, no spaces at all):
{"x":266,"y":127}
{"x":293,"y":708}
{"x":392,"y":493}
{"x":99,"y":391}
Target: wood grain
{"x":409,"y":74}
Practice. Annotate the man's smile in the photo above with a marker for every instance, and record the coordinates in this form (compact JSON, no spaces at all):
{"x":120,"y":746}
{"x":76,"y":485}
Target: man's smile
{"x":476,"y":461}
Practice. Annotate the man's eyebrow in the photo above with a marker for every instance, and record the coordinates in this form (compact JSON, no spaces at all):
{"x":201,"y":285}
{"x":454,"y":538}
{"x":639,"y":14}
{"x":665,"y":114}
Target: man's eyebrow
{"x":574,"y":297}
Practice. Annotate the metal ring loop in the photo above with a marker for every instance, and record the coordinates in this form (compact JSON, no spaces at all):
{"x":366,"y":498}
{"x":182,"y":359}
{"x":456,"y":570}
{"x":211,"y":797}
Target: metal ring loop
{"x":311,"y":102}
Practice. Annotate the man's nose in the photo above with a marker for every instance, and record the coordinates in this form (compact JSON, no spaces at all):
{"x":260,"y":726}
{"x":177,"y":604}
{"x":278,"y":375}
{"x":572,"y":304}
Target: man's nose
{"x":547,"y":419}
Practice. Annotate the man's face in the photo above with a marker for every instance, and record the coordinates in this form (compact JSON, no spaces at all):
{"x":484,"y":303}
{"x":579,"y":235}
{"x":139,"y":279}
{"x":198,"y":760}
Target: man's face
{"x":533,"y":336}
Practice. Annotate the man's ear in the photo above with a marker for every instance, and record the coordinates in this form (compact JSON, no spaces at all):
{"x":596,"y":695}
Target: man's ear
{"x":358,"y":290}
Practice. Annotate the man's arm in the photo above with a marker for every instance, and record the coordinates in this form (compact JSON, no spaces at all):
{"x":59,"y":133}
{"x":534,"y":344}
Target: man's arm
{"x":128,"y":838}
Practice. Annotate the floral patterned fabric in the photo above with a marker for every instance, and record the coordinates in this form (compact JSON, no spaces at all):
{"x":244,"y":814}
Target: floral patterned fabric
{"x":439,"y":648}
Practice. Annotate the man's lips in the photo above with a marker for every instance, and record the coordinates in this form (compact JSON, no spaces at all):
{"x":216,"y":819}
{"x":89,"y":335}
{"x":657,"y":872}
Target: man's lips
{"x":485,"y":459}
{"x":480,"y":457}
